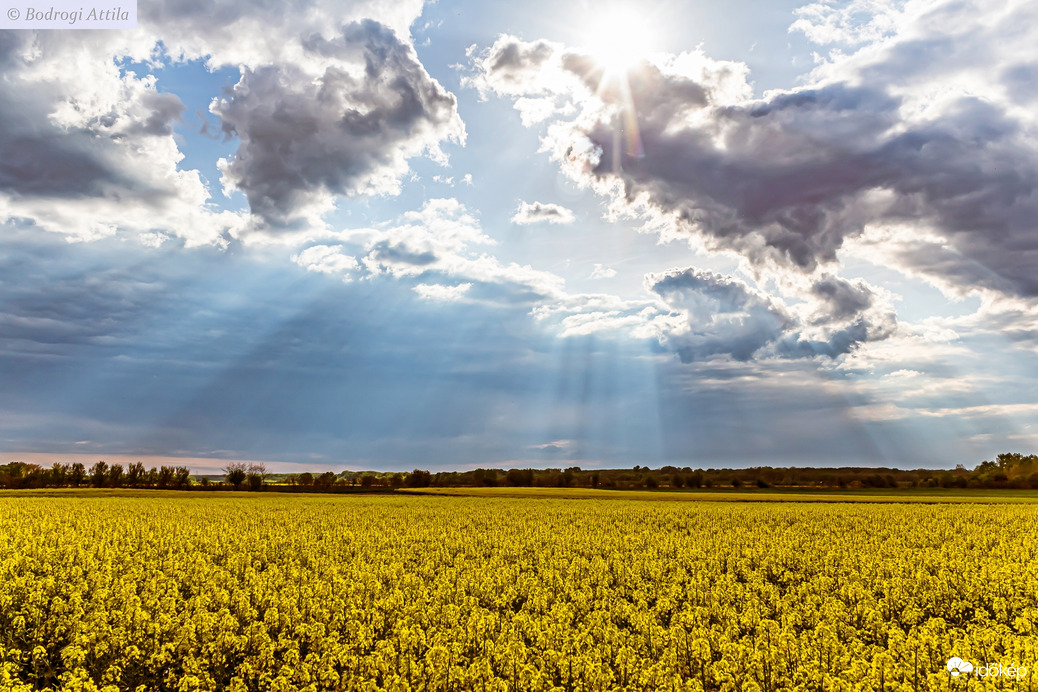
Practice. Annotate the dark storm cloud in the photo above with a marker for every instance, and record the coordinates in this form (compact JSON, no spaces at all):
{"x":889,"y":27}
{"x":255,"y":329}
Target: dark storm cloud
{"x":341,"y":133}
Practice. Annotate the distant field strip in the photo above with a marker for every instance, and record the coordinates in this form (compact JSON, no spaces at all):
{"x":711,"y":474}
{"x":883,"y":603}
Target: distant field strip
{"x":305,"y":592}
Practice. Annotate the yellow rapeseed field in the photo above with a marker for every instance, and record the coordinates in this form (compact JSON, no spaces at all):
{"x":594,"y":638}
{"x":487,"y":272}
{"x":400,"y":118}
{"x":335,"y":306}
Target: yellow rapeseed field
{"x":279,"y":592}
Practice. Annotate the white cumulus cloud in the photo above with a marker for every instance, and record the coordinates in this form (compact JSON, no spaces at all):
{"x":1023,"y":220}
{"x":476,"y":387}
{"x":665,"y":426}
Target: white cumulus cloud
{"x":540,"y":212}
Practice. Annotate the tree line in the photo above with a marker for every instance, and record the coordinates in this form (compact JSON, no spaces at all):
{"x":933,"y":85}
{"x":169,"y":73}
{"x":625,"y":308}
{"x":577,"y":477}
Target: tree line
{"x":1006,"y":471}
{"x":1009,"y":470}
{"x":100,"y":475}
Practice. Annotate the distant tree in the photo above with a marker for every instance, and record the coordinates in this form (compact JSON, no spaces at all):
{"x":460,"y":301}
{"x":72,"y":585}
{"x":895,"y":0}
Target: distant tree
{"x":166,"y":477}
{"x":115,"y":475}
{"x":182,"y":477}
{"x":13,"y":475}
{"x":366,"y":480}
{"x":305,"y":479}
{"x":98,"y":474}
{"x":77,"y":474}
{"x":678,"y":480}
{"x":254,"y":475}
{"x":484,"y":477}
{"x":59,"y":473}
{"x":1008,"y":460}
{"x":566,"y":479}
{"x":761,"y":483}
{"x":736,"y":483}
{"x":418,"y":479}
{"x":235,"y":473}
{"x":325,"y":480}
{"x":135,"y":474}
{"x":550,"y":478}
{"x":519,"y":477}
{"x":449,"y":478}
{"x":396,"y":480}
{"x":875,"y":480}
{"x":651,"y":482}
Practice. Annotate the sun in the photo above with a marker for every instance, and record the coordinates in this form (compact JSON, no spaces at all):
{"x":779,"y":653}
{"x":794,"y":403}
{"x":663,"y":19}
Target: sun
{"x":618,"y":39}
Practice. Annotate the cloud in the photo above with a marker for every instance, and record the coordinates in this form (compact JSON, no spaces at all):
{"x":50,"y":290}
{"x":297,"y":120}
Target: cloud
{"x":245,"y":33}
{"x":555,"y":448}
{"x":540,"y":212}
{"x":438,"y":292}
{"x":347,"y":131}
{"x":911,"y":131}
{"x":442,"y":233}
{"x":518,"y":68}
{"x":332,"y":101}
{"x":133,"y":352}
{"x":602,"y":272}
{"x":721,"y":315}
{"x":327,"y":259}
{"x":435,"y":249}
{"x":86,"y":149}
{"x":857,"y":22}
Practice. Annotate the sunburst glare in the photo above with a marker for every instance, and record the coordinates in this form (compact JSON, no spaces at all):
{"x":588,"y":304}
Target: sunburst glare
{"x":619,"y":39}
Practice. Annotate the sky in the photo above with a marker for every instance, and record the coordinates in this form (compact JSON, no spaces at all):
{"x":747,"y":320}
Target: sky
{"x":394,"y":235}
